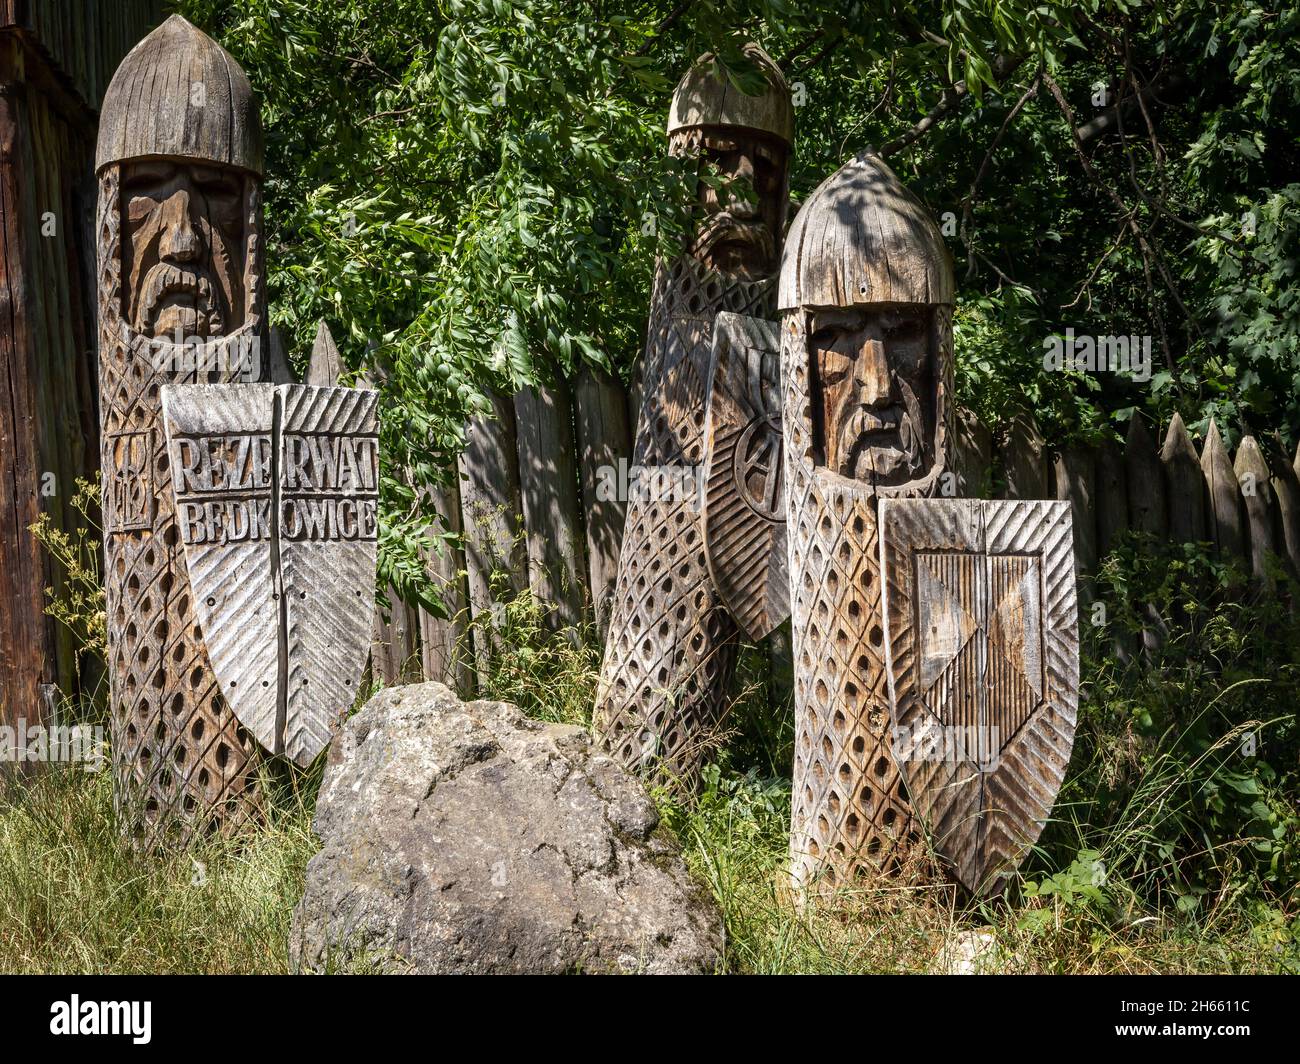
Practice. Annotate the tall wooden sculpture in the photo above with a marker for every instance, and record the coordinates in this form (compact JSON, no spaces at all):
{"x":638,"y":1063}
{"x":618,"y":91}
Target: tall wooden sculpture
{"x":671,"y":648}
{"x":179,"y":229}
{"x":865,"y":294}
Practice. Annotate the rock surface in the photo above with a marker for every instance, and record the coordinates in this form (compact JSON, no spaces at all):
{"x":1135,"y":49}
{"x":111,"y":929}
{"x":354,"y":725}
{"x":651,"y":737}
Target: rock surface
{"x":465,"y":837}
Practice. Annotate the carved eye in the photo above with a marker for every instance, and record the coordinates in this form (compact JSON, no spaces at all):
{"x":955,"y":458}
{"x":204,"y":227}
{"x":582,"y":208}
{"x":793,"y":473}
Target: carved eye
{"x":826,"y":337}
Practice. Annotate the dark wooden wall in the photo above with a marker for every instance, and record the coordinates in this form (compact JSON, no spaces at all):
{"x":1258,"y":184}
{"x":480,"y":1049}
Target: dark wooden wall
{"x":56,"y":58}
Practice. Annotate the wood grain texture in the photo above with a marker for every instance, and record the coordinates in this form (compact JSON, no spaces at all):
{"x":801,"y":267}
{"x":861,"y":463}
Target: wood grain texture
{"x":1146,"y":482}
{"x":496,"y":560}
{"x":605,"y":440}
{"x":548,"y":483}
{"x":1256,"y":489}
{"x":1184,"y":484}
{"x":1024,"y":460}
{"x":326,"y":364}
{"x":1224,"y":510}
{"x":863,"y":239}
{"x":54,"y":62}
{"x":981,"y":647}
{"x":1076,"y":484}
{"x":278,"y":369}
{"x":277,"y":493}
{"x":181,"y":95}
{"x":182,"y":763}
{"x":972,"y":456}
{"x":328,"y":537}
{"x":84,"y":40}
{"x":703,"y":98}
{"x":744,"y":498}
{"x":1112,"y":496}
{"x":888,"y":251}
{"x":445,"y":647}
{"x":1286,"y":489}
{"x":220,"y":450}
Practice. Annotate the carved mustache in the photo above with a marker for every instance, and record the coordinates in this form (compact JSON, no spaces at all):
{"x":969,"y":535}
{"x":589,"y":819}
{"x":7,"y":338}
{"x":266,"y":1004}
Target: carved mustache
{"x":891,"y":428}
{"x":724,"y":225}
{"x":167,"y":279}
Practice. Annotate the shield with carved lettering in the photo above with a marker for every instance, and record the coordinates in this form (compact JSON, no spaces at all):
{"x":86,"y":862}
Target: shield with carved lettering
{"x":744,"y":499}
{"x":276,"y":506}
{"x":982,"y":657}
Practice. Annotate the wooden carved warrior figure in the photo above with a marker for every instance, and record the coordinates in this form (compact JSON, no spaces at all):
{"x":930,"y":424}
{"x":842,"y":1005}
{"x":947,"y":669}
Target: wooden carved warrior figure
{"x":179,"y":165}
{"x":671,"y":648}
{"x":865,"y":295}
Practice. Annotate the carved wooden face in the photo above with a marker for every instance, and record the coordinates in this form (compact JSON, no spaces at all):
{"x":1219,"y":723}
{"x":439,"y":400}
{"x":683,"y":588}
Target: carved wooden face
{"x":740,"y":231}
{"x":184,"y":247}
{"x":872,"y":376}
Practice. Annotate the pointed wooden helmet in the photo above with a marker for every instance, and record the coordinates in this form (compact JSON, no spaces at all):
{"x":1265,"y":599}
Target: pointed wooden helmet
{"x":704,"y":98}
{"x":862,"y":237}
{"x":179,"y":94}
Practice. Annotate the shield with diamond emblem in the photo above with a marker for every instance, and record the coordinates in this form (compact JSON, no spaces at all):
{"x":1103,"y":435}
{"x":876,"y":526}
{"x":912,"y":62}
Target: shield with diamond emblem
{"x":982,"y":658}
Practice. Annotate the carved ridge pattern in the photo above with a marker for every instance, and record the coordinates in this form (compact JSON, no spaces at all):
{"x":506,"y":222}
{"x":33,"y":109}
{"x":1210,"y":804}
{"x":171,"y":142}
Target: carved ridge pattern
{"x":850,"y":815}
{"x":983,"y":817}
{"x":672,"y":645}
{"x":181,"y":762}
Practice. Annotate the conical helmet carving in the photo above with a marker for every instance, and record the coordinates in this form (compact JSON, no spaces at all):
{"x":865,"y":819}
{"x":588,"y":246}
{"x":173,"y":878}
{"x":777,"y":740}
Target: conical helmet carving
{"x":703,"y":98}
{"x":180,"y":94}
{"x":862,"y":237}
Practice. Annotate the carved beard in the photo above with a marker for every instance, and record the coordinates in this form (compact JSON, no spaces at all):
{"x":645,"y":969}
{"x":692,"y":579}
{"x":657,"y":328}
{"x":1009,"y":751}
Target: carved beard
{"x":187,"y":236}
{"x":890,"y":446}
{"x":746,"y":249}
{"x":741,"y":243}
{"x":177,"y":299}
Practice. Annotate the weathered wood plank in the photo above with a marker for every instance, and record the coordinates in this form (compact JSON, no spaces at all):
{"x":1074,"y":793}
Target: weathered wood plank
{"x":326,"y":365}
{"x":496,"y":554}
{"x":279,"y":371}
{"x":606,"y":441}
{"x":445,"y":648}
{"x":395,"y":641}
{"x":1024,"y":458}
{"x":1224,"y":512}
{"x":548,"y":482}
{"x":982,"y":652}
{"x":1286,"y":488}
{"x":1184,"y":484}
{"x":1112,"y":496}
{"x":22,"y":624}
{"x":972,"y":456}
{"x":1076,"y":483}
{"x":1146,"y":484}
{"x":1257,"y":493}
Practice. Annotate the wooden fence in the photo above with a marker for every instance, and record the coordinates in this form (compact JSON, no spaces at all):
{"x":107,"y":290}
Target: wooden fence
{"x":56,"y":57}
{"x":539,"y":503}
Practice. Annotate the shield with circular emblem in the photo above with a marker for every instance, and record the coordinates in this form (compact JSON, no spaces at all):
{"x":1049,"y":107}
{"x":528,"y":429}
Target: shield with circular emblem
{"x":744,"y":498}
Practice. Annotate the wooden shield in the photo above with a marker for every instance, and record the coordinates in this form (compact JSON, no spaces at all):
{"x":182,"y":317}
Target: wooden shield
{"x":744,"y":494}
{"x":276,"y":496}
{"x":982,"y":656}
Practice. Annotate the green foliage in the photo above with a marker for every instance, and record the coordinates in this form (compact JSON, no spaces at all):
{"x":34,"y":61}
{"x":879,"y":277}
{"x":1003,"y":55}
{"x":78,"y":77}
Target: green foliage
{"x":80,"y":606}
{"x":472,"y":193}
{"x":1186,"y":772}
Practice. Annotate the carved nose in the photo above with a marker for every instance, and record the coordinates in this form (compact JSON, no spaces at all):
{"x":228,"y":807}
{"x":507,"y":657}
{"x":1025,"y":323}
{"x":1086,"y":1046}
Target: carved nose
{"x":875,"y":386}
{"x":741,"y":204}
{"x":180,"y":240}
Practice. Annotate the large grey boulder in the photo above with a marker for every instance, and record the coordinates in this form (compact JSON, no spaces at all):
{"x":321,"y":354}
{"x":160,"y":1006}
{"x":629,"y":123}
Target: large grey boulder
{"x":465,"y":837}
